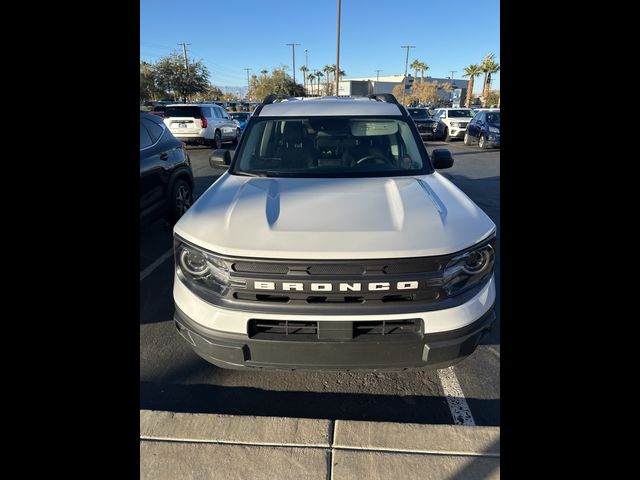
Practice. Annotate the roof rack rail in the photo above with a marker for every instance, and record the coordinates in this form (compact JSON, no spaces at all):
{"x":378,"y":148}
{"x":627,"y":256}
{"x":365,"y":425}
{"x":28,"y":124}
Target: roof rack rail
{"x":384,"y":97}
{"x":272,"y":99}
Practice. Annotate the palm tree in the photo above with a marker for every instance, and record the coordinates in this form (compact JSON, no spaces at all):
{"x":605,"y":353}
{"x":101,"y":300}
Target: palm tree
{"x":264,"y":72}
{"x":328,"y":69}
{"x":304,"y":71}
{"x":471,"y":71}
{"x":488,"y":67}
{"x":319,"y":75}
{"x":311,"y":77}
{"x":423,"y":68}
{"x":416,"y":66}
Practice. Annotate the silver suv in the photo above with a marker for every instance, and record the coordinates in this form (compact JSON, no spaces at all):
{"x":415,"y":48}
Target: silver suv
{"x":203,"y":123}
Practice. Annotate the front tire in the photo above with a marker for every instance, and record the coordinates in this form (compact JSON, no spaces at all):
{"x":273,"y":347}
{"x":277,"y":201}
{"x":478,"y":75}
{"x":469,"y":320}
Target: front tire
{"x":445,"y":135}
{"x":467,"y":140}
{"x":482,"y":142}
{"x":180,"y":201}
{"x":237,"y":138}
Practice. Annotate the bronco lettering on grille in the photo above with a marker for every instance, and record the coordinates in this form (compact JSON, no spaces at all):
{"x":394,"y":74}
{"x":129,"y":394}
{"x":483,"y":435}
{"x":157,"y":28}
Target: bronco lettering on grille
{"x":329,"y":287}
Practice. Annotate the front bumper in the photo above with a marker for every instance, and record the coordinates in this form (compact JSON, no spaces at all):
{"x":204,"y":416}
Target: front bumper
{"x":435,"y":350}
{"x":221,"y":336}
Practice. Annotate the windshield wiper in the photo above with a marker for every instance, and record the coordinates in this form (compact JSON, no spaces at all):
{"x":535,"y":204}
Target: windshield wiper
{"x":247,"y":174}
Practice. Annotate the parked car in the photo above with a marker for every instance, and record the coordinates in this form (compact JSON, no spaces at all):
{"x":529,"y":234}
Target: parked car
{"x":452,"y":122}
{"x":484,"y":128}
{"x":424,"y":121}
{"x":205,"y":123}
{"x":166,"y":179}
{"x":241,"y":117}
{"x":331,"y":242}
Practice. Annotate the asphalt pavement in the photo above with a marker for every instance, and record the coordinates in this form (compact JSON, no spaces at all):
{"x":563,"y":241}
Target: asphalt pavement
{"x":173,"y":378}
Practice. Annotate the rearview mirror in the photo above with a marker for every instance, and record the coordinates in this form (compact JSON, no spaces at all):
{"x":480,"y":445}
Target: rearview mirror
{"x":441,"y":158}
{"x":220,"y":158}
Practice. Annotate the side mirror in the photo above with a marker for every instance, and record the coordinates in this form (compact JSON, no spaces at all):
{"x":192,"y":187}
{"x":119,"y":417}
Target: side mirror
{"x":441,"y":158}
{"x":220,"y":158}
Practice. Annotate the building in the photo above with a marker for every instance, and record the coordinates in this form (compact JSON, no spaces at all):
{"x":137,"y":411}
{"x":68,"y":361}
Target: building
{"x":385,"y":84}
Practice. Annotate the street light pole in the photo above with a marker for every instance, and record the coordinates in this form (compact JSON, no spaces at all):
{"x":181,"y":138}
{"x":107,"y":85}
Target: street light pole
{"x":378,"y":75}
{"x":293,"y":50}
{"x":337,"y":73}
{"x":406,"y":69}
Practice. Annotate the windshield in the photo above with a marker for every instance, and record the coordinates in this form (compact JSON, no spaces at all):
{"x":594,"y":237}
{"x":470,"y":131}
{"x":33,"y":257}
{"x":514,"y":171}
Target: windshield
{"x":331,"y":147}
{"x":239,"y":116}
{"x":183,"y":111}
{"x":493,"y":117}
{"x":419,"y":114}
{"x":460,"y":113}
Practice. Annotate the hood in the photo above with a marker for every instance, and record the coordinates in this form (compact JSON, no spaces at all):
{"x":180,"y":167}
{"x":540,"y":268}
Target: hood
{"x":425,"y":120}
{"x":341,"y":218}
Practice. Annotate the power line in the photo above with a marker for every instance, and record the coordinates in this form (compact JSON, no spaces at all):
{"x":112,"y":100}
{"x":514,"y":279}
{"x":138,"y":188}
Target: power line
{"x":293,"y":50}
{"x":406,"y":68}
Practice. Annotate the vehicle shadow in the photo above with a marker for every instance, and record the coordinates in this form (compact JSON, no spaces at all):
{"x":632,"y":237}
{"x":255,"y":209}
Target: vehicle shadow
{"x":230,"y":400}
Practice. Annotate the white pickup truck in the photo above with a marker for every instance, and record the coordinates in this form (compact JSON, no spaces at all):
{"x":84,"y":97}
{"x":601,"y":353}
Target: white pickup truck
{"x":333,"y":243}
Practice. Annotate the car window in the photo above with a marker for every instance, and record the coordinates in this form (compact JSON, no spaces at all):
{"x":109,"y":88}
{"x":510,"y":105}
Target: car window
{"x":460,"y":113}
{"x":183,"y":111}
{"x":331,"y":147}
{"x":145,"y":138}
{"x":493,"y":117}
{"x":217,"y":112}
{"x":154,"y":129}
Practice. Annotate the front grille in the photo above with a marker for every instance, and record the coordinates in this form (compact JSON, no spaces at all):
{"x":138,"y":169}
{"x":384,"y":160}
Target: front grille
{"x":297,"y":330}
{"x":353,"y":268}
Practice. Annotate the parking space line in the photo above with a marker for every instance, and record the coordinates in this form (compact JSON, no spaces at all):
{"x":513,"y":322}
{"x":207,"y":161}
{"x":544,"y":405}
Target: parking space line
{"x":455,"y":397}
{"x":144,"y":273}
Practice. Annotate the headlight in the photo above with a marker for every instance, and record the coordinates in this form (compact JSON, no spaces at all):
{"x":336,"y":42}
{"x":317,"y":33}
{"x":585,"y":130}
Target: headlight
{"x":200,"y":270}
{"x":468,"y":269}
{"x":455,"y":124}
{"x":494,"y":130}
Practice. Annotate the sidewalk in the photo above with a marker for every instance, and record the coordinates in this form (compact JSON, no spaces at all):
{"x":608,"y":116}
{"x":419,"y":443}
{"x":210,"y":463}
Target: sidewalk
{"x":210,"y":446}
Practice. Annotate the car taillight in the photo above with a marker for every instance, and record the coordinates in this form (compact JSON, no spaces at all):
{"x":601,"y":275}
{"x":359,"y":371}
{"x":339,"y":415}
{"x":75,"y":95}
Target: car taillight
{"x":204,"y":122}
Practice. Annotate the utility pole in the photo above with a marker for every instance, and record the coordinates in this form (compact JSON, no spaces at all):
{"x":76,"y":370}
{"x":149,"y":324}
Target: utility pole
{"x":452,"y":72}
{"x":186,"y":63}
{"x":248,"y":83}
{"x":378,"y":75}
{"x":293,"y":50}
{"x":337,"y":74}
{"x":406,"y":68}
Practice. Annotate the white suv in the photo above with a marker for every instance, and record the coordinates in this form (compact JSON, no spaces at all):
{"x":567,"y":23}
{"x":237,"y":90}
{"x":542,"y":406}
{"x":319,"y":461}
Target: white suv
{"x":202,"y":123}
{"x":452,"y":122}
{"x":333,"y":243}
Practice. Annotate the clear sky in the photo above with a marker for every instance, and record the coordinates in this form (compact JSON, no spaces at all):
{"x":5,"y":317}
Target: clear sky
{"x":231,"y":35}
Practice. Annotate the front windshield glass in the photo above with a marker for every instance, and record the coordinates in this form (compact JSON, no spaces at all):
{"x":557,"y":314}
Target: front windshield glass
{"x":493,"y":117}
{"x":460,"y":113}
{"x":331,"y":147}
{"x":419,"y":114}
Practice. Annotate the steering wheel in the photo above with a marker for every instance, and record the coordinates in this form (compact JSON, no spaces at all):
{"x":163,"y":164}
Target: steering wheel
{"x":368,"y":158}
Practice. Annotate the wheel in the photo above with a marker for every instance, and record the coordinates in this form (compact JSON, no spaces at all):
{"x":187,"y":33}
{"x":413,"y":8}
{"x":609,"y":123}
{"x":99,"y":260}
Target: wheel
{"x":217,"y":140}
{"x":235,"y":140}
{"x":467,"y":140}
{"x":481,"y":142}
{"x":180,"y":201}
{"x":445,"y":135}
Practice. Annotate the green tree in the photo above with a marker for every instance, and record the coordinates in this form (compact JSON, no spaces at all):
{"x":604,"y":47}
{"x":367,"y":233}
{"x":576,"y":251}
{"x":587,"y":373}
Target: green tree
{"x":416,"y":66}
{"x":149,"y":89}
{"x":319,"y":76}
{"x":488,"y":66}
{"x":172,"y":76}
{"x":471,"y":71}
{"x":304,"y":71}
{"x":423,"y":68}
{"x":277,"y":82}
{"x":328,"y":70}
{"x":311,"y":77}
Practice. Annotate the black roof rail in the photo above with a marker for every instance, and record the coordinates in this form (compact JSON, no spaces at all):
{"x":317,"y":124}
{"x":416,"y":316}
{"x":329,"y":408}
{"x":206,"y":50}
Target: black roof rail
{"x":272,"y":99}
{"x":389,"y":98}
{"x":384,"y":97}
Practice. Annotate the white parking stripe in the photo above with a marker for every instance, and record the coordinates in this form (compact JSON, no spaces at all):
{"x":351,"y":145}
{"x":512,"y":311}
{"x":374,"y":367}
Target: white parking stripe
{"x":455,"y":397}
{"x":144,"y":273}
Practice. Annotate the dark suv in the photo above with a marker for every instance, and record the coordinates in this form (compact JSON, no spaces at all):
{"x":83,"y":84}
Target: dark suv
{"x":484,"y":129}
{"x":166,"y":179}
{"x":424,"y":121}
